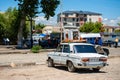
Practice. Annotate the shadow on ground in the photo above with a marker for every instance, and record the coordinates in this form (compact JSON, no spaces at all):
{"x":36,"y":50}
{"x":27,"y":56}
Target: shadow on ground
{"x":79,"y":71}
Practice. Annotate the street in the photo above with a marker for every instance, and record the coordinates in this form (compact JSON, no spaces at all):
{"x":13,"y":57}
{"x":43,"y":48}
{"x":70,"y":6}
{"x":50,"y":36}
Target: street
{"x":42,"y":72}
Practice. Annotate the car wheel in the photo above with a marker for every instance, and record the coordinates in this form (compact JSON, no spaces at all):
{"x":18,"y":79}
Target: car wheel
{"x":96,"y":69}
{"x":50,"y":63}
{"x":71,"y":67}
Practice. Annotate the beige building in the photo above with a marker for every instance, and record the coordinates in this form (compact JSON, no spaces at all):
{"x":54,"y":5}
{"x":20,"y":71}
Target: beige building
{"x":74,"y":19}
{"x":50,"y":28}
{"x":111,"y":29}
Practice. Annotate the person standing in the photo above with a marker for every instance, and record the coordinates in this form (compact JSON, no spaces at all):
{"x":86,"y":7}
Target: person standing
{"x":96,"y":40}
{"x":7,"y":41}
{"x":116,"y":42}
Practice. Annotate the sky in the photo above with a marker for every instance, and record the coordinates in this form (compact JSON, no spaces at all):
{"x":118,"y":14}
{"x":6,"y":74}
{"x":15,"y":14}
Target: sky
{"x":110,"y":9}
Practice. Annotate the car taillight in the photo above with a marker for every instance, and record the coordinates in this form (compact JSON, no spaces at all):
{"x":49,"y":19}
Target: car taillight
{"x":85,"y":59}
{"x":103,"y":59}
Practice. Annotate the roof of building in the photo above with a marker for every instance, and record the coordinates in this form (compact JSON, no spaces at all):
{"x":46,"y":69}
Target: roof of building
{"x":81,"y":12}
{"x":111,"y":27}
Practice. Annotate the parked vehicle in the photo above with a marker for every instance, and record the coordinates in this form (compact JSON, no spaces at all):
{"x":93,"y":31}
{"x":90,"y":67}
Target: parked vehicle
{"x":93,"y":38}
{"x":76,"y":56}
{"x":119,"y":43}
{"x":108,"y":43}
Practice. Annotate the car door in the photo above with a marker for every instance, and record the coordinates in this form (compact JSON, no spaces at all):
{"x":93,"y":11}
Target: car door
{"x":57,"y":54}
{"x":65,"y":54}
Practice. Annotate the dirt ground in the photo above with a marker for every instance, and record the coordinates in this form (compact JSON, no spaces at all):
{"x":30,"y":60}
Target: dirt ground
{"x":42,"y":72}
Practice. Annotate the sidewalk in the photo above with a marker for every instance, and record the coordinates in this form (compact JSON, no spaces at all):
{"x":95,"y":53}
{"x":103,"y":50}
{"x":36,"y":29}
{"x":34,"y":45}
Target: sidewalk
{"x":9,"y":56}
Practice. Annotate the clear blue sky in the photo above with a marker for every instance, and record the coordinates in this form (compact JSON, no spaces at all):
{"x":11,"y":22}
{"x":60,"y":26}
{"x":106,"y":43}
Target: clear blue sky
{"x":108,"y":8}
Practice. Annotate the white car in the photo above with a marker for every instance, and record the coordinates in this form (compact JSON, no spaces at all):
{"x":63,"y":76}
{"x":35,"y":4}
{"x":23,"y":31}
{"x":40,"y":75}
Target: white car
{"x":77,"y":55}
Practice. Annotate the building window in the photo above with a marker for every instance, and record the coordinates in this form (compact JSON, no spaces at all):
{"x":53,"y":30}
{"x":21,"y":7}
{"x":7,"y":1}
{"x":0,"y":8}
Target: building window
{"x":64,"y":24}
{"x":69,"y":20}
{"x":77,"y":20}
{"x":66,"y":15}
{"x":90,"y":20}
{"x":64,"y":19}
{"x":81,"y":19}
{"x":73,"y":19}
{"x":77,"y":24}
{"x":113,"y":30}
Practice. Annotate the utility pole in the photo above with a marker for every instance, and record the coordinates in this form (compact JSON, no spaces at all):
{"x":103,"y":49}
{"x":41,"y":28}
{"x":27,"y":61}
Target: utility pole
{"x":61,"y":21}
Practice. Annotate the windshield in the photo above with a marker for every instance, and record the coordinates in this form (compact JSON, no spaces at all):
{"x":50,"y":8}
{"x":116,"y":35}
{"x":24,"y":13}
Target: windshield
{"x":84,"y":49}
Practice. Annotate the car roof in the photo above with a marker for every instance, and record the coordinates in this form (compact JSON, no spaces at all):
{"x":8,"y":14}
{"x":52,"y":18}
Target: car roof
{"x":76,"y":44}
{"x":72,"y":44}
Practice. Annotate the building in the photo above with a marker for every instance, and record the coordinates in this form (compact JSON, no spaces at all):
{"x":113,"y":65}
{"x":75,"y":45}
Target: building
{"x":111,"y":29}
{"x":110,"y":34}
{"x":48,"y":29}
{"x":74,"y":19}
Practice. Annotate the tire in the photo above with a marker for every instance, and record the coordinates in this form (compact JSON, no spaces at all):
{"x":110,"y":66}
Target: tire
{"x":71,"y":67}
{"x":96,"y":69}
{"x":50,"y":63}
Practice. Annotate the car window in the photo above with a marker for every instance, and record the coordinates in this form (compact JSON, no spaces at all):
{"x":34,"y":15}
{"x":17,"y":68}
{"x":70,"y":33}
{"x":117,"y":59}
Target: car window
{"x":66,"y":49}
{"x":84,"y":49}
{"x":59,"y":48}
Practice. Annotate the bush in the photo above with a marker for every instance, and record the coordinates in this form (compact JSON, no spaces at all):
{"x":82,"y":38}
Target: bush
{"x":36,"y":48}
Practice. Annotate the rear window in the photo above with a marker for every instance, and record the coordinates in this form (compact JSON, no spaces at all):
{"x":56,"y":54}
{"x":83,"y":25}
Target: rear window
{"x":84,"y":49}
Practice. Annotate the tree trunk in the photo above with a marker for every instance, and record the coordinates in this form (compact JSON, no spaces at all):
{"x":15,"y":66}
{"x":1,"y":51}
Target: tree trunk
{"x":20,"y":33}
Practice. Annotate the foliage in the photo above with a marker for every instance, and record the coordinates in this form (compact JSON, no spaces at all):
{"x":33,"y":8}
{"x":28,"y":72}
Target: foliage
{"x":36,"y":48}
{"x":118,"y":24}
{"x":12,"y":27}
{"x":39,"y":27}
{"x":48,"y":7}
{"x":117,"y":31}
{"x":9,"y":24}
{"x":29,"y":8}
{"x":92,"y":27}
{"x":2,"y":25}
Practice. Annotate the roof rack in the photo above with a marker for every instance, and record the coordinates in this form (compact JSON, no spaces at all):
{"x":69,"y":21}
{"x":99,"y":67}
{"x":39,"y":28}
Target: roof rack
{"x":74,"y":41}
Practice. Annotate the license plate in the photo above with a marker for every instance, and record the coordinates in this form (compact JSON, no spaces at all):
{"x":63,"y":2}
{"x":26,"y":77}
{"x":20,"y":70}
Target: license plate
{"x":95,"y":64}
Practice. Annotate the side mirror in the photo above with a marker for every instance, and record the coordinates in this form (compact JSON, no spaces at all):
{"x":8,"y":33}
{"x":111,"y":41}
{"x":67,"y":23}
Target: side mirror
{"x":106,"y":51}
{"x":103,"y":51}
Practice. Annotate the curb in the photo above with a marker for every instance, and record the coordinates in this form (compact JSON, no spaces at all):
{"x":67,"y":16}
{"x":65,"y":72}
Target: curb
{"x":23,"y":51}
{"x":13,"y":65}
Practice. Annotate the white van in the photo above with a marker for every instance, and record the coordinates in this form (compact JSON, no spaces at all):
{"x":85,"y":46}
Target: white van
{"x":90,"y":37}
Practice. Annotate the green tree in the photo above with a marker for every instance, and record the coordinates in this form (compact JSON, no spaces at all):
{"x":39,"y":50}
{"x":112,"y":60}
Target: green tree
{"x":2,"y":26}
{"x":9,"y":24}
{"x":12,"y":26}
{"x":117,"y":31}
{"x":29,"y":8}
{"x":92,"y":27}
{"x":7,"y":21}
{"x":118,"y":24}
{"x":39,"y":27}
